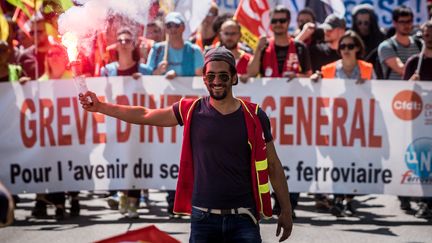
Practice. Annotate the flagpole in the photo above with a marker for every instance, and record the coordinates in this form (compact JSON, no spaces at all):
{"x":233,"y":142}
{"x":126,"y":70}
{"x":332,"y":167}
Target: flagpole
{"x":146,"y":20}
{"x":36,"y":41}
{"x":419,"y":63}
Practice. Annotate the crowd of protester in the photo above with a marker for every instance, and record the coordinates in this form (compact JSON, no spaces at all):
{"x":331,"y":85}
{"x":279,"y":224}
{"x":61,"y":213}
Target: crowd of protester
{"x":361,"y":53}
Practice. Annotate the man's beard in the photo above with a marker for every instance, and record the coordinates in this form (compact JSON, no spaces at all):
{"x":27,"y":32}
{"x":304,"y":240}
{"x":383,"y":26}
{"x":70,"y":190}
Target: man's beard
{"x":279,"y":32}
{"x":214,"y":96}
{"x":220,"y":97}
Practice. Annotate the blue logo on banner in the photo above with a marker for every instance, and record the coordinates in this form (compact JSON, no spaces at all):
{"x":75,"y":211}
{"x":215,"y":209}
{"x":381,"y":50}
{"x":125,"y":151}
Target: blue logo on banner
{"x":418,"y":157}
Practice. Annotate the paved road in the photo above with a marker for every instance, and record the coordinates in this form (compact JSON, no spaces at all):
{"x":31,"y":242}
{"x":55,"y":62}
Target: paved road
{"x":378,"y":220}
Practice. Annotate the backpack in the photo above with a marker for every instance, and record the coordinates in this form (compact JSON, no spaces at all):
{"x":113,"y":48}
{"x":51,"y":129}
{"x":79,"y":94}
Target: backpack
{"x":374,"y":58}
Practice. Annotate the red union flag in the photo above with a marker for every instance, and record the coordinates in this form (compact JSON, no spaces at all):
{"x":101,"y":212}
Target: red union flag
{"x":253,"y":16}
{"x":149,"y":234}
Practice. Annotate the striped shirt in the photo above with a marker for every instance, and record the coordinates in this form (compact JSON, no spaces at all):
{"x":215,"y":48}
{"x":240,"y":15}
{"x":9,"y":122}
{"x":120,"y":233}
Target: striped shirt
{"x":386,"y":51}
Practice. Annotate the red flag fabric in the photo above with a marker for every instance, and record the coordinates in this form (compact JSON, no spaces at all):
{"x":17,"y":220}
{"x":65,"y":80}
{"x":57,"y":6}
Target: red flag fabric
{"x":21,"y":18}
{"x":146,"y":234}
{"x":253,"y":16}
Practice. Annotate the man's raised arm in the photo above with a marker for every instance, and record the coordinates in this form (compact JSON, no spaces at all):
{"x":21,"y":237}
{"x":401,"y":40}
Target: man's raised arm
{"x":163,"y":117}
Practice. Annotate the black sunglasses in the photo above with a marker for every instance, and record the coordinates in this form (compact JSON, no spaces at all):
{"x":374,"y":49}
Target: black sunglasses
{"x":210,"y":77}
{"x":172,"y":25}
{"x":282,"y":21}
{"x":349,"y":46}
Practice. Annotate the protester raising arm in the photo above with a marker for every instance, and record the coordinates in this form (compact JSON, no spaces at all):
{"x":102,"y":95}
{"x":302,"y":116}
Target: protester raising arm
{"x":254,"y":64}
{"x":132,"y":114}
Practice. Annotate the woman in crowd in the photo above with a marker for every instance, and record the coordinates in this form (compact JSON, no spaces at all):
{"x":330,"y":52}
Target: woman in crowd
{"x":351,"y":50}
{"x":127,"y":64}
{"x":127,"y":55}
{"x":350,"y":66}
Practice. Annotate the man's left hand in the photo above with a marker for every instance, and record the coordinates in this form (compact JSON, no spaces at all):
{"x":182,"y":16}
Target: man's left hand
{"x":285,"y":223}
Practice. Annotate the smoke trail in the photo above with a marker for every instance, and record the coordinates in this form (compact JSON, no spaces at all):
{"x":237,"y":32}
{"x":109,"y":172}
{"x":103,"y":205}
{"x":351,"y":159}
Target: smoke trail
{"x":92,"y":15}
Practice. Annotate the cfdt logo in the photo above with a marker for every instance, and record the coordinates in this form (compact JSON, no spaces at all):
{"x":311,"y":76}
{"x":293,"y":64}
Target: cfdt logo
{"x":407,"y":105}
{"x":418,"y":159}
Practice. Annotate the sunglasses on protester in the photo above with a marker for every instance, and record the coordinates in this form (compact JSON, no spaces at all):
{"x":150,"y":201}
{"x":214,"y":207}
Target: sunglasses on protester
{"x":282,"y":21}
{"x":124,"y":41}
{"x":224,"y":77}
{"x":172,"y":25}
{"x":349,"y":46}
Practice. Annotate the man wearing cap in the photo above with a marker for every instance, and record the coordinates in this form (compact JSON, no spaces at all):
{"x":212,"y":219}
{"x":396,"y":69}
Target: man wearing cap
{"x":223,"y":181}
{"x":325,"y":53}
{"x":179,"y":58}
{"x":280,"y":56}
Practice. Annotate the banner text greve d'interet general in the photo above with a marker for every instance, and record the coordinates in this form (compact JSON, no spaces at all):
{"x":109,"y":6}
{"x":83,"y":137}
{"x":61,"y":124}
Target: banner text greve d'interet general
{"x":334,"y":136}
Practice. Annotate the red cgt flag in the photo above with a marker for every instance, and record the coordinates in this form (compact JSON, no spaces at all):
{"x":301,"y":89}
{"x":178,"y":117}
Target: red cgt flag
{"x":146,"y":234}
{"x":253,"y":16}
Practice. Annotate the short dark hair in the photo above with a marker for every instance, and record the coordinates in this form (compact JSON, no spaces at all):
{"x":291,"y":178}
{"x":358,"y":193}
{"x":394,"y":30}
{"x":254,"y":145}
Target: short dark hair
{"x":235,"y":22}
{"x":357,"y":41}
{"x":402,"y":11}
{"x":219,"y":20}
{"x":281,"y":9}
{"x":308,"y":11}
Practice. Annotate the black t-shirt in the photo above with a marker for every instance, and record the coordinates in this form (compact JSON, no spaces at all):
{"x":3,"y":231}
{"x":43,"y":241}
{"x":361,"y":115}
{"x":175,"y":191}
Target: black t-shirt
{"x":129,"y":71}
{"x":321,"y":54}
{"x":221,"y":155}
{"x":281,"y":54}
{"x":425,"y":70}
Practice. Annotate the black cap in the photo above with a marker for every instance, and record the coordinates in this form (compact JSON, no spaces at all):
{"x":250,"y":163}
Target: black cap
{"x":220,"y":54}
{"x":332,"y":21}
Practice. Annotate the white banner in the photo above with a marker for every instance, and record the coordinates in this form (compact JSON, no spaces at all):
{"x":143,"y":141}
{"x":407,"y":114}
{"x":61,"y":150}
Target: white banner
{"x":333,"y":136}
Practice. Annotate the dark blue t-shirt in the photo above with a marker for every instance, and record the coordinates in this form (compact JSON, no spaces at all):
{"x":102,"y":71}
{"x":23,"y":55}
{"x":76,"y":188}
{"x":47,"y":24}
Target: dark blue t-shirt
{"x":221,"y":156}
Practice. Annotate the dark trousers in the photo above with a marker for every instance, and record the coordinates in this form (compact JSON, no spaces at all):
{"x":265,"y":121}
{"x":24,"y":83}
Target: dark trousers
{"x":207,"y":227}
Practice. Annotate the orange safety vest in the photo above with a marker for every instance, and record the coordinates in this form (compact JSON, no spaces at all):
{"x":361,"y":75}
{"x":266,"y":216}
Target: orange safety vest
{"x":259,"y":164}
{"x":366,"y":70}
